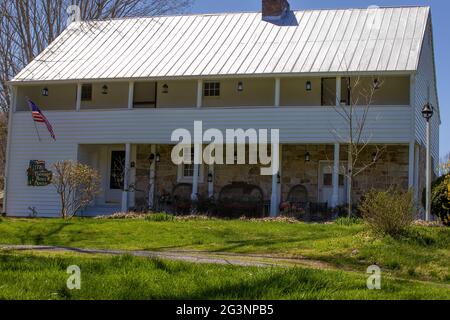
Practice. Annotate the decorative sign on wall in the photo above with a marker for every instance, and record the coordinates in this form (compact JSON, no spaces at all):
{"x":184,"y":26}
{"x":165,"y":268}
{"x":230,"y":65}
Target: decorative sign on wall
{"x":38,"y":175}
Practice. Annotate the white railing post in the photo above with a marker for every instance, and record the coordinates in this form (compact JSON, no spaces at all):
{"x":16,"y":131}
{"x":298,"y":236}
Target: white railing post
{"x":338,"y":91}
{"x":130,"y":95}
{"x":277,"y":92}
{"x":199,"y":93}
{"x":78,"y":101}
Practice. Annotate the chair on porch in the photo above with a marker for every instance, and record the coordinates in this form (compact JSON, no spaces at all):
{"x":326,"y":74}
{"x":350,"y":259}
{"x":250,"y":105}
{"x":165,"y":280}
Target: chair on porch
{"x":241,"y":199}
{"x":297,"y":204}
{"x":181,"y":198}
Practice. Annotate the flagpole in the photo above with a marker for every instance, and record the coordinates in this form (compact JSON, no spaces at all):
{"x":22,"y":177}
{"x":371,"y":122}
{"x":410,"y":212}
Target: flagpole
{"x":34,"y":122}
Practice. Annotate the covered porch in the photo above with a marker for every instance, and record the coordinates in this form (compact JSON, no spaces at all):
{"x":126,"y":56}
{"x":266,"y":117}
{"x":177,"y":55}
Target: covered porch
{"x":312,"y":180}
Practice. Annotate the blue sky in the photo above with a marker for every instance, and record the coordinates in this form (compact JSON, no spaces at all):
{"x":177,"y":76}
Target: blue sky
{"x":441,"y":25}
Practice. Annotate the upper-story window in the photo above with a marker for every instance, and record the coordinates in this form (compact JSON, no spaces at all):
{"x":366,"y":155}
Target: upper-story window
{"x":211,"y":89}
{"x":86,"y":92}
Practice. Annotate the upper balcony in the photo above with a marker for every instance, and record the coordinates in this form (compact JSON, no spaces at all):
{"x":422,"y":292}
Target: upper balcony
{"x":303,"y":109}
{"x":220,"y":93}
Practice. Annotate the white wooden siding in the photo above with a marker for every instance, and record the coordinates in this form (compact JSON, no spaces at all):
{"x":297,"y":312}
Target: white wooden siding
{"x":387,"y":124}
{"x":426,"y":82}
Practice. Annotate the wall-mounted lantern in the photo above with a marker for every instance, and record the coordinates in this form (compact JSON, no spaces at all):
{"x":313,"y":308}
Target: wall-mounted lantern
{"x":165,"y":88}
{"x":308,"y":86}
{"x":278,"y":178}
{"x":210,"y":177}
{"x":151,"y":158}
{"x":105,"y":89}
{"x":374,"y":157}
{"x":240,"y":86}
{"x":376,"y":84}
{"x":307,"y":157}
{"x":45,"y":92}
{"x":158,"y":158}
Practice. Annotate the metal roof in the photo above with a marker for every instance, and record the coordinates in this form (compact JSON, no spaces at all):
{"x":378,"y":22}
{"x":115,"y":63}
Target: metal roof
{"x":314,"y":41}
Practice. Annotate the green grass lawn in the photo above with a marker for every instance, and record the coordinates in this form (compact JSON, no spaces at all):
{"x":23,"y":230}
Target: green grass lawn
{"x":43,"y":276}
{"x":421,"y":255}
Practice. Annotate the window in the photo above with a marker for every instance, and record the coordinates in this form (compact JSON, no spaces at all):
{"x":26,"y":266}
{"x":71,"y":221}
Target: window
{"x":86,"y":92}
{"x":186,"y":170}
{"x":328,"y":180}
{"x":211,"y":89}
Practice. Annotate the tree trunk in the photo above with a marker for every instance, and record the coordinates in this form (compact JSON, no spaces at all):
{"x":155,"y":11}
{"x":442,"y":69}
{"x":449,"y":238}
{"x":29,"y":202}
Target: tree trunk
{"x":350,"y":181}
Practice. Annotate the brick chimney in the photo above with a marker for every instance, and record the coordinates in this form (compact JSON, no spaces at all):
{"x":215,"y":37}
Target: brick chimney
{"x":273,"y":10}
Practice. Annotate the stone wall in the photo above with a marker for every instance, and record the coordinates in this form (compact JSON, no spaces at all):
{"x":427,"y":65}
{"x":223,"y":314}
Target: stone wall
{"x":390,"y":169}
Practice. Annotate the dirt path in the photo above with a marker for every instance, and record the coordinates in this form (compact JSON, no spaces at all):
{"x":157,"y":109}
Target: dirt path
{"x":188,"y":256}
{"x":244,"y":260}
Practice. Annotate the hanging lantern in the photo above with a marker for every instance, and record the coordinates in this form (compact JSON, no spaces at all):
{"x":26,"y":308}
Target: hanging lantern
{"x":307,"y":157}
{"x":240,"y":86}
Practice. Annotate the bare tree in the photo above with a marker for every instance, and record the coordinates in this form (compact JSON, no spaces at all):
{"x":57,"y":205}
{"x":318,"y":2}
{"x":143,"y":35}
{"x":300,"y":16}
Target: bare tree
{"x":76,"y":184}
{"x":354,"y":113}
{"x":27,"y":27}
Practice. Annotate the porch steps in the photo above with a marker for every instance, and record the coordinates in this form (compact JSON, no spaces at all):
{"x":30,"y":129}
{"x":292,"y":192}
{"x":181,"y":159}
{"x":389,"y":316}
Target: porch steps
{"x":104,"y":210}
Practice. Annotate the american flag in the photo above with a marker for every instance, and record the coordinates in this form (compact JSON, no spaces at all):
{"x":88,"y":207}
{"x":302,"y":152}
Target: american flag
{"x":38,"y":116}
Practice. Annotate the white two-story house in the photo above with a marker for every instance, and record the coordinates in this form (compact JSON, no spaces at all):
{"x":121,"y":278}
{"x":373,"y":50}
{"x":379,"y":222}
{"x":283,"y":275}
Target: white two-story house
{"x":115,"y":90}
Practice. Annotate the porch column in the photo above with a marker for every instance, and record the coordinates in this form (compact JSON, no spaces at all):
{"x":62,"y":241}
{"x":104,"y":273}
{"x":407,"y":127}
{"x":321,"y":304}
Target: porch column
{"x":274,"y":205}
{"x":199,"y":93}
{"x":416,"y":173}
{"x":335,"y":194}
{"x":411,"y":165}
{"x":197,"y":155}
{"x":152,"y":180}
{"x":126,"y":177}
{"x":130,"y":95}
{"x":211,"y":183}
{"x":277,"y":92}
{"x":280,"y":172}
{"x":78,"y":101}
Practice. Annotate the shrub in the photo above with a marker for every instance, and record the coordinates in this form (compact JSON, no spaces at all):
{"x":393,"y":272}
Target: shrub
{"x":389,"y":212}
{"x":76,"y":184}
{"x":440,"y":199}
{"x":159,"y":217}
{"x":346,"y":221}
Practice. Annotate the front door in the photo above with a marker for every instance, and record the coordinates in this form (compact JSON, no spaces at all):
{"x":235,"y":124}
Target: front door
{"x":326,"y":183}
{"x":116,"y":176}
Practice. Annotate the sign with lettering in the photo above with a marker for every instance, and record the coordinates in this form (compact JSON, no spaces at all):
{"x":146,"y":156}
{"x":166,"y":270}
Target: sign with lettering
{"x":38,"y":175}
